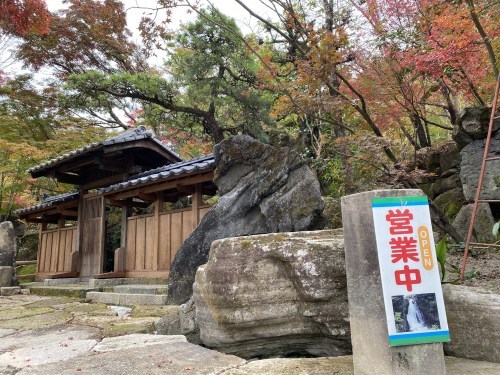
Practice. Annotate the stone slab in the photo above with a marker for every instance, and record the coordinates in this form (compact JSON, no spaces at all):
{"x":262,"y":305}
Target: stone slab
{"x":278,"y":366}
{"x":135,"y":341}
{"x":52,"y":282}
{"x":10,"y":290}
{"x":122,"y":299}
{"x":141,"y":289}
{"x":97,"y":283}
{"x":169,"y":358}
{"x":69,"y":290}
{"x":6,"y":332}
{"x":46,"y":345}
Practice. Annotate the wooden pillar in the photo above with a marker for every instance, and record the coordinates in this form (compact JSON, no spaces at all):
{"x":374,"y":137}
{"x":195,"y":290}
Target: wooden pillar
{"x":40,"y":261}
{"x":197,"y":202}
{"x":79,"y":226}
{"x":156,"y":244}
{"x":126,"y":210}
{"x":59,"y":253}
{"x":102,"y":242}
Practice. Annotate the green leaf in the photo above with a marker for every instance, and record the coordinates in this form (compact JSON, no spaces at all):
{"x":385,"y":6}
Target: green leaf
{"x":474,"y":234}
{"x":441,"y":251}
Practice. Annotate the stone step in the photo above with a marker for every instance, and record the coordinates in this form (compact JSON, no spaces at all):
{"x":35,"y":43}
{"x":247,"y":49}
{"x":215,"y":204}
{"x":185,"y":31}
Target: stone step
{"x":138,"y":289}
{"x":66,"y":290}
{"x":103,"y":283}
{"x":127,"y":299}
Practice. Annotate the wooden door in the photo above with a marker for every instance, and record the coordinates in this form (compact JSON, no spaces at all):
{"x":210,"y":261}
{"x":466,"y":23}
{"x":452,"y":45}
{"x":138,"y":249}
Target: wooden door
{"x":92,"y":237}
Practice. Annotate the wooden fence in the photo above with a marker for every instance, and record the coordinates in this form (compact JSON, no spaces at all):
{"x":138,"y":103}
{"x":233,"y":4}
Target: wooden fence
{"x":55,"y":249}
{"x":153,"y":240}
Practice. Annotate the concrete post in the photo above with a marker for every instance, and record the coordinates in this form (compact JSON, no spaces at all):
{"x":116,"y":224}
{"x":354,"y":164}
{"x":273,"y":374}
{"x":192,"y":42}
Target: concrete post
{"x":370,"y":343}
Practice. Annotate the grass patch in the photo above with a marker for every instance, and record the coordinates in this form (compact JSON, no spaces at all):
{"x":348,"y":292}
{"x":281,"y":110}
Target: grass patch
{"x":28,"y":269}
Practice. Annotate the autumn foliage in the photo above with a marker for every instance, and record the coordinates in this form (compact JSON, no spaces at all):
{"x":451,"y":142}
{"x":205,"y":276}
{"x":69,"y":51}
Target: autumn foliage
{"x":23,"y":17}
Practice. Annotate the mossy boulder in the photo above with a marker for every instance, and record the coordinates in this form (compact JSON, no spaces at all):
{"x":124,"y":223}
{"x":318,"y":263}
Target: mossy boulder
{"x":483,"y":223}
{"x":451,"y":202}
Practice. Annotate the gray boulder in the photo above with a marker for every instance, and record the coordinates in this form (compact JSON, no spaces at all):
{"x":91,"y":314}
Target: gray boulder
{"x":472,"y":125}
{"x":470,"y":167}
{"x":474,"y":321}
{"x":7,"y":254}
{"x":274,"y":295}
{"x":449,"y":157}
{"x":7,"y":244}
{"x":483,"y":222}
{"x":262,"y":189}
{"x":6,"y":273}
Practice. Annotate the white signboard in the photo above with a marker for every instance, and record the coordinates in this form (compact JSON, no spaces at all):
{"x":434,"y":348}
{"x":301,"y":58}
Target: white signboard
{"x":411,"y":284}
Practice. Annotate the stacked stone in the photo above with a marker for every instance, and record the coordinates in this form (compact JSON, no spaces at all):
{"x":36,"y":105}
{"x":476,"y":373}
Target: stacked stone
{"x":455,"y":168}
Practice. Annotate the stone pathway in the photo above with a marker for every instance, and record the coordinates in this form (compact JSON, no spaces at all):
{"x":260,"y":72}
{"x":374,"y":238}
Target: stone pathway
{"x":60,"y":335}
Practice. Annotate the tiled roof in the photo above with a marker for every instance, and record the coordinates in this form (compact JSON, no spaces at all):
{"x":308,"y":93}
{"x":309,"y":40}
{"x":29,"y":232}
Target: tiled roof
{"x":204,"y":163}
{"x":49,"y":201}
{"x":198,"y":164}
{"x":132,"y":135}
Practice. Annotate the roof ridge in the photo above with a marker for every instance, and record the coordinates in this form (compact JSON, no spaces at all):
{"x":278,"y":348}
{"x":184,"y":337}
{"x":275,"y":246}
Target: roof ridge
{"x":138,"y":133}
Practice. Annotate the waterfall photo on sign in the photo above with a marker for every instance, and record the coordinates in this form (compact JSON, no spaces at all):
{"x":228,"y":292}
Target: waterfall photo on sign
{"x":415,"y":312}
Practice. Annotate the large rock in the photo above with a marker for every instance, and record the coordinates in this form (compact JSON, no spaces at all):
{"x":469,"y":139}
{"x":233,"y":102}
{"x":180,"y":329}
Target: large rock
{"x":449,"y":156}
{"x":483,"y":222}
{"x":275,"y":294}
{"x":7,"y":254}
{"x":470,"y":168}
{"x":472,"y":125}
{"x":262,"y":189}
{"x":474,"y":322}
{"x":6,"y":276}
{"x":7,"y":244}
{"x":182,"y":322}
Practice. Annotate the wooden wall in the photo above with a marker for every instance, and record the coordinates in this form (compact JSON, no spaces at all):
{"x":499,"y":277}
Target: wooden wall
{"x":55,"y":250}
{"x":151,"y":248}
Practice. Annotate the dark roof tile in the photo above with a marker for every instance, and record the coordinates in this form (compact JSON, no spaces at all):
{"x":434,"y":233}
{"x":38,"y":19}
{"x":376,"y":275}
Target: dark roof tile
{"x":184,"y":167}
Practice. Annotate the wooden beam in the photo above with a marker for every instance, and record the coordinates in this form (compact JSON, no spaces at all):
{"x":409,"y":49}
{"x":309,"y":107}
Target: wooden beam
{"x":79,"y":161}
{"x":128,"y":203}
{"x":188,"y":189}
{"x":67,"y":178}
{"x":102,"y":182}
{"x":147,"y":197}
{"x":143,"y":144}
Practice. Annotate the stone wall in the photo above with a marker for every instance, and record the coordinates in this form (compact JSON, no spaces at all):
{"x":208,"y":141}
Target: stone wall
{"x":454,"y":169}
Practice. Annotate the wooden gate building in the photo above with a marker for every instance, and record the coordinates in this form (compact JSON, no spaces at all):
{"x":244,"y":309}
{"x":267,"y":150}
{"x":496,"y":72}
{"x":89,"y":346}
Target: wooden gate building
{"x":158,"y":197}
